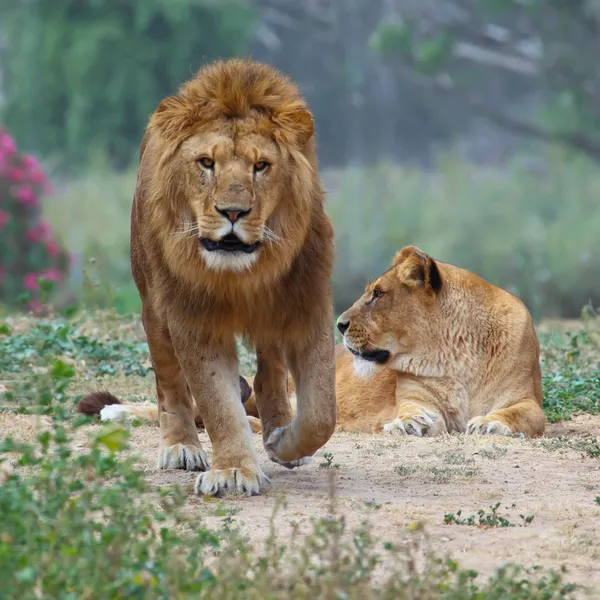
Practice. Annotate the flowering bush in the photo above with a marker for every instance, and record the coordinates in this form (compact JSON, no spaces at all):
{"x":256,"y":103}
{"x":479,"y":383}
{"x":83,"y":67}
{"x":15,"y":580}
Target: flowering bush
{"x":31,"y":260}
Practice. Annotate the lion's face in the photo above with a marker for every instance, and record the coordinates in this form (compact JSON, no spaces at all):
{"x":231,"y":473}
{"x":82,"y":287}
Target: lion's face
{"x":397,"y":315}
{"x":233,"y":188}
{"x":233,"y":168}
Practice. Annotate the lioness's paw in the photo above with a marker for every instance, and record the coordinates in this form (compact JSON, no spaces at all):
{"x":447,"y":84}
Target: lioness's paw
{"x":271,"y":448}
{"x":180,"y":456}
{"x":420,"y":424}
{"x":242,"y":481}
{"x":486,"y":426}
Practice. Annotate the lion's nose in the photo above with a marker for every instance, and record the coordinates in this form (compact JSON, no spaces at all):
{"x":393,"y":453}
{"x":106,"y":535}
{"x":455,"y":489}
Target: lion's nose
{"x":233,"y":214}
{"x":343,"y":325}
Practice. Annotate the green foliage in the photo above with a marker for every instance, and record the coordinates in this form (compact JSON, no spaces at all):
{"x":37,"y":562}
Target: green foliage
{"x":571,"y":373}
{"x":485,"y":519}
{"x":22,"y":351}
{"x":531,"y":231}
{"x":83,"y":77}
{"x":32,"y":262}
{"x":556,"y":41}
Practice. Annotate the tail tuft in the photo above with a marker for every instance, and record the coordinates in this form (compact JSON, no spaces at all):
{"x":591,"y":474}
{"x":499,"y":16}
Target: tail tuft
{"x":95,"y":402}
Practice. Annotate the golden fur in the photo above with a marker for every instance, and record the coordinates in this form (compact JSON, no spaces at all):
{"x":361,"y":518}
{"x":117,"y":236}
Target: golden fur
{"x":434,"y":349}
{"x":232,"y":156}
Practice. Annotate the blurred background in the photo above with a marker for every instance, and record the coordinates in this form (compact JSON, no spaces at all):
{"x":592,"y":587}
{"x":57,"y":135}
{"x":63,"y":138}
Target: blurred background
{"x":468,"y":127}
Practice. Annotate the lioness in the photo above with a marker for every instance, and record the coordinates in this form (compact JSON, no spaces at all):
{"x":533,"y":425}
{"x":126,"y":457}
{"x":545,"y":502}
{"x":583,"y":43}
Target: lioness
{"x":431,"y":348}
{"x":229,"y":236}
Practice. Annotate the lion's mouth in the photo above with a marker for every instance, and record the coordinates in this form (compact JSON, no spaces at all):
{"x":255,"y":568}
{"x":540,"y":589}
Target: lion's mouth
{"x":229,"y":243}
{"x":377,"y":356}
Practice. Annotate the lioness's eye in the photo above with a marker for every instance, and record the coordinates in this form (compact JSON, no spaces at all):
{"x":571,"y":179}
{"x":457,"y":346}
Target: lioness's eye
{"x":207,"y":163}
{"x":377,"y":292}
{"x":261,"y":165}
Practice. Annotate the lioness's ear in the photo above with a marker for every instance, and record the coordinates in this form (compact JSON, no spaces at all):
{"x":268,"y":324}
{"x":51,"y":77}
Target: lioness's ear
{"x":419,"y":268}
{"x":405,"y":253}
{"x":172,"y":117}
{"x":296,"y":123}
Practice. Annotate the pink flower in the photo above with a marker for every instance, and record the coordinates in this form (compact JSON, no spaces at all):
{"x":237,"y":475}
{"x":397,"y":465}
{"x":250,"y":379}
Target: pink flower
{"x":48,"y":189}
{"x":4,"y":219}
{"x":26,"y":196}
{"x":52,"y":247}
{"x":44,"y":228}
{"x":37,"y":176}
{"x":52,"y":275}
{"x":41,"y":232}
{"x":7,"y":143}
{"x":30,"y":281}
{"x":33,"y":235}
{"x":30,"y":162}
{"x":15,"y":174}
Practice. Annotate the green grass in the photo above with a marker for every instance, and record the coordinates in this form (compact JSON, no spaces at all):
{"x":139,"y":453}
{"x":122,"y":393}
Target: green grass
{"x":87,"y":524}
{"x":110,"y":344}
{"x":571,"y":371}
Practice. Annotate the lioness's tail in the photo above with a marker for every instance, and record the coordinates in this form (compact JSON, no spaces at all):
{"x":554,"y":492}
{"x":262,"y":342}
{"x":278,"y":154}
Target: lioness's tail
{"x":109,"y":408}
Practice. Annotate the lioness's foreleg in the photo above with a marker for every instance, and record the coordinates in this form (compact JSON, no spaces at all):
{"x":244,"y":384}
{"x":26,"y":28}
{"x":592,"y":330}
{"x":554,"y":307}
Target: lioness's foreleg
{"x":417,"y":410}
{"x":312,"y":365}
{"x":211,"y":370}
{"x":524,"y":416}
{"x":180,"y":447}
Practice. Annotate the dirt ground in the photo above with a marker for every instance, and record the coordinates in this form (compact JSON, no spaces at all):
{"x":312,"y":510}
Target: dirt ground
{"x":393,"y":482}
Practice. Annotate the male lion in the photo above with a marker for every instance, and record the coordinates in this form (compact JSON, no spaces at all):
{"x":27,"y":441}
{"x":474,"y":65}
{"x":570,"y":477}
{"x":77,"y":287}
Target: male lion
{"x":229,"y":236}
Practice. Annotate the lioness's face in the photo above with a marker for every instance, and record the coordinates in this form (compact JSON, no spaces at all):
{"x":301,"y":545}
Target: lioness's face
{"x":233,"y":183}
{"x":395,"y":316}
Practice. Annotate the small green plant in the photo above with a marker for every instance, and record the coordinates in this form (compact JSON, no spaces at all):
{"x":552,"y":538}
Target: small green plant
{"x":588,"y":446}
{"x":328,"y":462}
{"x":485,"y":519}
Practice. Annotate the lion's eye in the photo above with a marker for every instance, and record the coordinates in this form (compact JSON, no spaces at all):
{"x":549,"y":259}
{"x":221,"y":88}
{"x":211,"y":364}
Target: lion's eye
{"x":207,"y":163}
{"x":261,"y":165}
{"x":377,"y":293}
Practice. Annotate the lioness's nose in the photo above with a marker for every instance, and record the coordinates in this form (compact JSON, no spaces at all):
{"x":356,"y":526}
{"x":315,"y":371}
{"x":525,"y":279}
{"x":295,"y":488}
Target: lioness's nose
{"x":233,"y":214}
{"x":343,"y":325}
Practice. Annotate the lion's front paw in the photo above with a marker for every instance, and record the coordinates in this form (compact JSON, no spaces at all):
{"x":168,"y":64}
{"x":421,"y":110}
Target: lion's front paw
{"x":274,"y":442}
{"x":180,"y":456}
{"x":241,"y":481}
{"x":420,"y":423}
{"x":487,"y":426}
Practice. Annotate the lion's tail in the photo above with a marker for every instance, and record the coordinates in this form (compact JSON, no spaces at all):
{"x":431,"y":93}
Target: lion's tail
{"x":109,"y":408}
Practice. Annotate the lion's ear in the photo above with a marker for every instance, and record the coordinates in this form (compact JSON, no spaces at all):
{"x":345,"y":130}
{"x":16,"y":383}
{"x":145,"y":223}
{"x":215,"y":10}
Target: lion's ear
{"x":296,"y":124}
{"x":419,"y":269}
{"x":172,"y":117}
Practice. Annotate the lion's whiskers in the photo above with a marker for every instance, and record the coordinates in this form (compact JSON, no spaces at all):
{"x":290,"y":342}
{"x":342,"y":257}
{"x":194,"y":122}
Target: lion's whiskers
{"x":270,"y":236}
